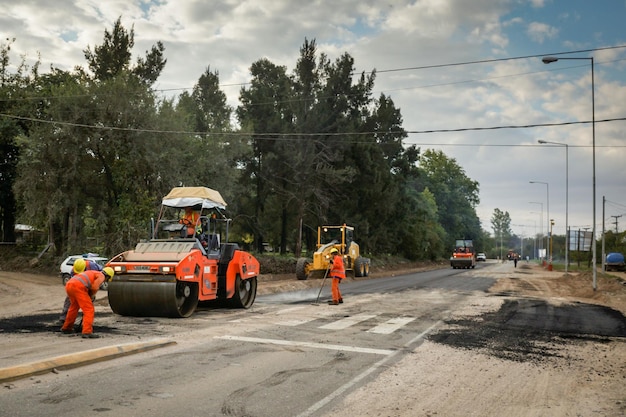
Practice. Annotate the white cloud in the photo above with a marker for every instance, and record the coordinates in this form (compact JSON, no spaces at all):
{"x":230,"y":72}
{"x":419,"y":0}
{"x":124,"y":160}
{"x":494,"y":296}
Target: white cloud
{"x":539,"y":32}
{"x":230,"y":35}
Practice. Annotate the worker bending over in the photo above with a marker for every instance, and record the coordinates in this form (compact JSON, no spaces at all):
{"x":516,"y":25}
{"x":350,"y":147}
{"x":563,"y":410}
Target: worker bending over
{"x":80,"y":289}
{"x":80,"y":265}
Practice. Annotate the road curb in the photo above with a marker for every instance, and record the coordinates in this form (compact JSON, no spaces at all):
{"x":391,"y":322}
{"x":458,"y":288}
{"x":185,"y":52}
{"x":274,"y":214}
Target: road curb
{"x":79,"y":359}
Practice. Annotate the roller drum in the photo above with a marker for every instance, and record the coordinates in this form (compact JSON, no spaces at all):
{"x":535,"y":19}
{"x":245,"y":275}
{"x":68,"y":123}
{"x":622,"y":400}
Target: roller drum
{"x":153,"y":299}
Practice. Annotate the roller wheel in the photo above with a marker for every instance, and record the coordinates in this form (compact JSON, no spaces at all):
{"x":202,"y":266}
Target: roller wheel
{"x":153,"y":299}
{"x":301,"y":268}
{"x":245,"y":292}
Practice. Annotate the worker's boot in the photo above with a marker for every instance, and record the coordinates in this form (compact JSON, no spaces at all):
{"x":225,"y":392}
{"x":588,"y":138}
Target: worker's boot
{"x":333,"y":303}
{"x":90,"y":336}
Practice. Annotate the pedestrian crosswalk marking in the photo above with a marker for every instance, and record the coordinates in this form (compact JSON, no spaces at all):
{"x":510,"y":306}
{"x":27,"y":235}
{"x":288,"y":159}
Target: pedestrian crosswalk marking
{"x":357,"y":349}
{"x":300,"y":319}
{"x":289,"y":310}
{"x":294,"y":323}
{"x":347,"y":322}
{"x":391,"y":325}
{"x":297,"y":322}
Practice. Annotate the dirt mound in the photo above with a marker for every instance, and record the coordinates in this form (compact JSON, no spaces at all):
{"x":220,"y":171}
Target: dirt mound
{"x":532,"y":280}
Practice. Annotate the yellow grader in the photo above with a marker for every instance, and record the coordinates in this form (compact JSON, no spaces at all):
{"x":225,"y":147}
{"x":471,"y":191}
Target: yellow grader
{"x":329,"y":237}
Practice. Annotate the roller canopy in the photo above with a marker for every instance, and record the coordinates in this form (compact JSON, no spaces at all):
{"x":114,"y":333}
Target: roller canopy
{"x":181,"y":197}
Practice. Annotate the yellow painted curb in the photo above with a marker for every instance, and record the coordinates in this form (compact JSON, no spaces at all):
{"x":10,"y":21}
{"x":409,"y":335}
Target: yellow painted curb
{"x":78,"y":359}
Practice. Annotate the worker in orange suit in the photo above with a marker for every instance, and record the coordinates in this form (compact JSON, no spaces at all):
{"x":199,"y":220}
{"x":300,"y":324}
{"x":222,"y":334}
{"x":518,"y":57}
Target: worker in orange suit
{"x":337,"y":273}
{"x":80,"y":289}
{"x":191,"y":219}
{"x":80,"y":265}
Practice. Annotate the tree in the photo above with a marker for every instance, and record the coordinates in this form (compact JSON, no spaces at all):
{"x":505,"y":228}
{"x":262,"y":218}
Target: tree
{"x":51,"y":171}
{"x":456,"y":196}
{"x":501,"y":225}
{"x":112,"y":58}
{"x":96,"y":164}
{"x":264,"y":113}
{"x":213,"y":155}
{"x":14,"y":89}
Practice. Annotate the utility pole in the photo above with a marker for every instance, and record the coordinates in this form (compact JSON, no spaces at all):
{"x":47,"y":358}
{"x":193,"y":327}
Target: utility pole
{"x":615,"y":223}
{"x":603,"y":233}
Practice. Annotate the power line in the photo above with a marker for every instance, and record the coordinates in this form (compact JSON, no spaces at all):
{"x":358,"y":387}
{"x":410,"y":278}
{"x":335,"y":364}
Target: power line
{"x":387,"y":71}
{"x":486,"y":61}
{"x":299,"y":136}
{"x":292,"y":137}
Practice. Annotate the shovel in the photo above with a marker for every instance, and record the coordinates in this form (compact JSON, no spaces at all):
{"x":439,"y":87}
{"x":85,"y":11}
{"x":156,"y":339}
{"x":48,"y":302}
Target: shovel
{"x":316,"y":303}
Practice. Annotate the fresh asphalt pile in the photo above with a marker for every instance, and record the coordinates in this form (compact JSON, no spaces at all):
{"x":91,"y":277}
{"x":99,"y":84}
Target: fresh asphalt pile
{"x":531,"y":330}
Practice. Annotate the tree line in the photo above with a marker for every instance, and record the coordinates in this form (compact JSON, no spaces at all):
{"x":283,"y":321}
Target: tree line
{"x":89,"y":153}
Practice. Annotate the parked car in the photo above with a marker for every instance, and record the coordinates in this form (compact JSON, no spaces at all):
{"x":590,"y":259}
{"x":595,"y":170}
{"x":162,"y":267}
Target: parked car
{"x":68,"y":264}
{"x":481,"y":257}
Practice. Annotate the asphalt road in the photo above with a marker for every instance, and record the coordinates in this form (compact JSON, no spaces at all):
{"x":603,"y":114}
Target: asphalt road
{"x":287,"y":356}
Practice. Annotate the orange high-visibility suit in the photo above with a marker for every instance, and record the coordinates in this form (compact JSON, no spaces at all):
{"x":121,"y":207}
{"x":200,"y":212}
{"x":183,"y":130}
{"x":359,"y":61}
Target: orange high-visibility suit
{"x":80,"y":288}
{"x":89,"y":266}
{"x":191,"y":219}
{"x":337,"y":273}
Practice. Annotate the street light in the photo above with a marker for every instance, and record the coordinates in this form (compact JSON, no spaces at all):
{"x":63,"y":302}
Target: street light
{"x":549,"y":60}
{"x":547,"y":217}
{"x":566,"y":196}
{"x":540,"y":222}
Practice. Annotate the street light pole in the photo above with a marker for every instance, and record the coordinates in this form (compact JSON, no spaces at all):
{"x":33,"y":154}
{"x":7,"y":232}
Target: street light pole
{"x":566,"y":198}
{"x":540,"y":222}
{"x":547,"y":218}
{"x":549,"y":60}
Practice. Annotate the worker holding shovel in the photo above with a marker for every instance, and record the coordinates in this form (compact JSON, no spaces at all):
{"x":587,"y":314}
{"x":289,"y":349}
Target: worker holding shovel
{"x":337,"y":273}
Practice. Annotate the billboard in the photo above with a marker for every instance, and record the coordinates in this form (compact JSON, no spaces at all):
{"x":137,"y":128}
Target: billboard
{"x":580,"y":240}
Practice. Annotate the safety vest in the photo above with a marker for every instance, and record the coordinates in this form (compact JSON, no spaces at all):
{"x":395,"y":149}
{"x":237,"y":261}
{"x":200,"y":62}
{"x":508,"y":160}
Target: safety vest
{"x":337,"y":270}
{"x":90,"y":279}
{"x":192,"y":223}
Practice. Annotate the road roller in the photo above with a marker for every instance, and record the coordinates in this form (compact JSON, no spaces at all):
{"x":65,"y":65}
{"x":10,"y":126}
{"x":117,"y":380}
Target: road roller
{"x":171,"y":273}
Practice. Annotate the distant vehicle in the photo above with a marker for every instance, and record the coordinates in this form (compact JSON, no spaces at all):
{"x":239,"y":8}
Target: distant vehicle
{"x":481,"y":257}
{"x":68,"y":264}
{"x":463,"y":255}
{"x":614,"y":262}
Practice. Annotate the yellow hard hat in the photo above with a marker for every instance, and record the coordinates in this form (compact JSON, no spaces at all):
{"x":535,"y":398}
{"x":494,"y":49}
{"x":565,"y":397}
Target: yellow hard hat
{"x":334,"y":250}
{"x":79,"y":265}
{"x":108,"y":272}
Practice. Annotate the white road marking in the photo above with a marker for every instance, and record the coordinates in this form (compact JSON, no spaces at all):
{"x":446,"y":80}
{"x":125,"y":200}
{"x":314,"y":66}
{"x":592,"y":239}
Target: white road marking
{"x":348,"y":385}
{"x":307,"y":344}
{"x":347,"y":322}
{"x":297,"y":322}
{"x":391,"y":325}
{"x":293,"y":323}
{"x":289,"y":310}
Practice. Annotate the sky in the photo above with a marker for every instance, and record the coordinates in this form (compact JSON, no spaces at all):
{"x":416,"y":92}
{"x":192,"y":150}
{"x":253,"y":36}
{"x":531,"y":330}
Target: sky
{"x":467,"y":76}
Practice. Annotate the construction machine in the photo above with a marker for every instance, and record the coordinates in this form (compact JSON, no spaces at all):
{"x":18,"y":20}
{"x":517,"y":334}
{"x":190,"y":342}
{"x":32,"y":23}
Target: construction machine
{"x":329,"y":237}
{"x":464,"y":255}
{"x":171,"y":273}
